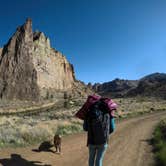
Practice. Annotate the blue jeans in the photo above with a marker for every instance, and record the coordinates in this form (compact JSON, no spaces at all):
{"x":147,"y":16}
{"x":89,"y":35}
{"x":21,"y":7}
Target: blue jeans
{"x":96,"y":154}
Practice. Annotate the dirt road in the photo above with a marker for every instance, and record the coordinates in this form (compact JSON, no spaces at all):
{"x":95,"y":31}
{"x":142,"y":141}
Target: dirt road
{"x":129,"y":146}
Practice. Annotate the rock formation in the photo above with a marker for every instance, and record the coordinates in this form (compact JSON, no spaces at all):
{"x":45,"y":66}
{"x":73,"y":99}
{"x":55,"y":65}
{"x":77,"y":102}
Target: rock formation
{"x":30,"y":69}
{"x":0,"y":51}
{"x":53,"y":70}
{"x":18,"y":77}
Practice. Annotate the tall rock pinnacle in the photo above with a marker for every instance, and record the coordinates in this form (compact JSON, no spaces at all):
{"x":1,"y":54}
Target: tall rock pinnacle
{"x":18,"y":77}
{"x":30,"y":69}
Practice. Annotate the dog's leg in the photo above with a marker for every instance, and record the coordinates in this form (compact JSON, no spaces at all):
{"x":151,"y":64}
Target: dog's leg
{"x":56,"y":147}
{"x":60,"y":148}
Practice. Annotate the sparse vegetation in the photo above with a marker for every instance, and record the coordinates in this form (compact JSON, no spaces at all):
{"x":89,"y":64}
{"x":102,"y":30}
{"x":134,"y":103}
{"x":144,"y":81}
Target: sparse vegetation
{"x":18,"y":132}
{"x":128,"y":107}
{"x":159,"y":142}
{"x":69,"y":129}
{"x":34,"y":128}
{"x":36,"y":125}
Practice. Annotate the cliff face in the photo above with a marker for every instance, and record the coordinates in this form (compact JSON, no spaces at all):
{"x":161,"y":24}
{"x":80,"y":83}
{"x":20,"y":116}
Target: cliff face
{"x":31,"y":69}
{"x":53,"y":70}
{"x":0,"y":51}
{"x":18,"y":77}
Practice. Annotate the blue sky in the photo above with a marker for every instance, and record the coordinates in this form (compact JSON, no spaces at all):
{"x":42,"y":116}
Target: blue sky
{"x":103,"y":39}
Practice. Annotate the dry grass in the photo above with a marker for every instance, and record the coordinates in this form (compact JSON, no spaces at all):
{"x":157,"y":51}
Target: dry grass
{"x":139,"y":105}
{"x":19,"y":132}
{"x":27,"y":130}
{"x":35,"y":127}
{"x":18,"y":106}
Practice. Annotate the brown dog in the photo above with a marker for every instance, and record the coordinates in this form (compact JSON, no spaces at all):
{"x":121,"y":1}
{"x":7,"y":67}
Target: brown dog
{"x":57,"y":143}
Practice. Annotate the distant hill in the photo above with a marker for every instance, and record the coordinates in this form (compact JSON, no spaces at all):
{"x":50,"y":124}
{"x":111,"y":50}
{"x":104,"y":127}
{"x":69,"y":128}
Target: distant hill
{"x":115,"y":88}
{"x":151,"y":85}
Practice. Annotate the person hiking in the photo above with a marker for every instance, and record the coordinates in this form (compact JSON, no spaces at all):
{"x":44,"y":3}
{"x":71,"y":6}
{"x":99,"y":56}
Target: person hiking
{"x":97,"y":114}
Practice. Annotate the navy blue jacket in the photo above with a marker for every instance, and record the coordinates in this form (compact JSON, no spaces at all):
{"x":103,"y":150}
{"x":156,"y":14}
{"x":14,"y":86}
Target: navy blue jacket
{"x":90,"y":139}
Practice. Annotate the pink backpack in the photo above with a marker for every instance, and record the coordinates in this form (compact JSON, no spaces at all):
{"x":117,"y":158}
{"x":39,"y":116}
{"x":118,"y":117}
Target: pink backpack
{"x":92,"y":99}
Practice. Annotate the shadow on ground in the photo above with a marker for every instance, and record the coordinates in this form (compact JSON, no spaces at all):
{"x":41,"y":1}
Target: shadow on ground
{"x":17,"y":160}
{"x":44,"y":147}
{"x":149,"y":141}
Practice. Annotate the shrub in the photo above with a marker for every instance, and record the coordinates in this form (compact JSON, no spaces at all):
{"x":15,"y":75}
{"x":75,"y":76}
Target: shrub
{"x":159,"y":142}
{"x":21,"y":132}
{"x":161,"y":156}
{"x":68,"y":129}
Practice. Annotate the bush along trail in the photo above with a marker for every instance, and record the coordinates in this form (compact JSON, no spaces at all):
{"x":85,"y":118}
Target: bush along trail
{"x":129,"y":144}
{"x":159,"y":142}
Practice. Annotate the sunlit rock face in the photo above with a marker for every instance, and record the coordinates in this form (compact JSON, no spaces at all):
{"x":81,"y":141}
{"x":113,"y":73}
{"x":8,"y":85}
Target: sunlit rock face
{"x":53,"y":69}
{"x":0,"y":51}
{"x":30,"y":68}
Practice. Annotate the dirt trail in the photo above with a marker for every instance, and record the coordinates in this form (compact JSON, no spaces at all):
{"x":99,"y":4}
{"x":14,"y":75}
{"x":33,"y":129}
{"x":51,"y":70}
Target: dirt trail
{"x":129,"y":146}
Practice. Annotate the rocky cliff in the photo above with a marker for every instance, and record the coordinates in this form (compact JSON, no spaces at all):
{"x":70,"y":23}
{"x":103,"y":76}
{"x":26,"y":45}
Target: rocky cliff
{"x":30,"y":68}
{"x":18,"y":76}
{"x":54,"y":73}
{"x":53,"y":69}
{"x":0,"y":51}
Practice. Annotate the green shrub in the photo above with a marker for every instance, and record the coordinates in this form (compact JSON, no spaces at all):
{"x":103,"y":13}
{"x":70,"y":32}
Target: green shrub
{"x":35,"y":135}
{"x":10,"y":136}
{"x":161,"y":156}
{"x":15,"y":133}
{"x":159,"y":142}
{"x":68,"y":129}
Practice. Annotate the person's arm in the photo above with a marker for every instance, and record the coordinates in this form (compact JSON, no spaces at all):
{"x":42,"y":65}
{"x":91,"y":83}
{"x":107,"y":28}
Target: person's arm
{"x":85,"y":125}
{"x":112,"y":125}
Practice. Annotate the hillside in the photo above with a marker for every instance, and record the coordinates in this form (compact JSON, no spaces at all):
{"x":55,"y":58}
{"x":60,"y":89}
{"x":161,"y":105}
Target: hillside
{"x":115,"y":88}
{"x":152,"y":85}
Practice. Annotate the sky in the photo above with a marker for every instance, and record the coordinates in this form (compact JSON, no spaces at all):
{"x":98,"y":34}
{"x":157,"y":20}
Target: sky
{"x":103,"y":39}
